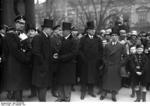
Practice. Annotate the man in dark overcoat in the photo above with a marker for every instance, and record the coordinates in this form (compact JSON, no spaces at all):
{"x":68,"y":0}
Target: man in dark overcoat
{"x":55,"y":43}
{"x":42,"y":75}
{"x":67,"y":64}
{"x":2,"y":34}
{"x":113,"y":58}
{"x":16,"y":59}
{"x":91,"y":51}
{"x":148,"y":69}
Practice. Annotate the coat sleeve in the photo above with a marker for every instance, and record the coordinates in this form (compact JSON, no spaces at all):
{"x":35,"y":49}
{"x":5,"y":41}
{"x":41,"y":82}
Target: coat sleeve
{"x":105,"y":54}
{"x":70,"y":55}
{"x":0,"y":45}
{"x":14,"y":50}
{"x":145,"y":63}
{"x":100,"y":47}
{"x":36,"y":49}
{"x":124,"y":55}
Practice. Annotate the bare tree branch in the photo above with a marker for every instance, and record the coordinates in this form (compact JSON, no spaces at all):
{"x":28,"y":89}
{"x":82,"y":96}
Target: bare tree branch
{"x":95,"y":11}
{"x":83,"y":9}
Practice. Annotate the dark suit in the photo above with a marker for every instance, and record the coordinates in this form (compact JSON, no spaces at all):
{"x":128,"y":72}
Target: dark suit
{"x":16,"y":74}
{"x":1,"y":39}
{"x":91,"y":52}
{"x":147,"y":73}
{"x":41,"y":76}
{"x":113,"y":62}
{"x":67,"y":66}
{"x":142,"y":61}
{"x":55,"y":47}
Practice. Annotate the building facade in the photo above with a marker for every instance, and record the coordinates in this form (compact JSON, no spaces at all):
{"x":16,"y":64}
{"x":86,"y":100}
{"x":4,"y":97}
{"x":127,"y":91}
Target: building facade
{"x":137,"y":13}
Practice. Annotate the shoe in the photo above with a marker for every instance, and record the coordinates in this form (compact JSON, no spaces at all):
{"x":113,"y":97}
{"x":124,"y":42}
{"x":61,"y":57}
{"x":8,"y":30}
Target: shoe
{"x":82,"y":95}
{"x":102,"y":97}
{"x":60,"y":100}
{"x":19,"y":100}
{"x":132,"y":95}
{"x":92,"y":94}
{"x":137,"y":100}
{"x":138,"y":96}
{"x":143,"y":96}
{"x":67,"y":99}
{"x":114,"y":97}
{"x":32,"y":96}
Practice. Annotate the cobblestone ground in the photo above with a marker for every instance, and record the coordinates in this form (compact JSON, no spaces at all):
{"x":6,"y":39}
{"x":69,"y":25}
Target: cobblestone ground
{"x":123,"y":96}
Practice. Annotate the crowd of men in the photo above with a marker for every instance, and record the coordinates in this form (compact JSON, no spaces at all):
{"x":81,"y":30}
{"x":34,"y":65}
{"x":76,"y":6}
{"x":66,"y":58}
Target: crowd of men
{"x":59,"y":57}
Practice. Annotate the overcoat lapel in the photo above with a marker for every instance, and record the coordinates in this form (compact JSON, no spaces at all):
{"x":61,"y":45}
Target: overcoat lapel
{"x":113,"y":48}
{"x":46,"y":44}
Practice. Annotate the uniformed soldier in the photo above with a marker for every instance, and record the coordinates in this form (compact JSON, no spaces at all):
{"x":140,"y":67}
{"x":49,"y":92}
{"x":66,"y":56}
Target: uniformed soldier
{"x":16,"y":59}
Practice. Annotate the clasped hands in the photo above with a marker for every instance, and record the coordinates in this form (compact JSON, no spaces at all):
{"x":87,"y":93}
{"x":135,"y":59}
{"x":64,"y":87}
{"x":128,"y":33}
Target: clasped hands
{"x":55,"y":55}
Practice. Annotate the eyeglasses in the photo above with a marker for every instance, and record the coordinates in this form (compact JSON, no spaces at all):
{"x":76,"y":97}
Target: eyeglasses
{"x":21,"y":23}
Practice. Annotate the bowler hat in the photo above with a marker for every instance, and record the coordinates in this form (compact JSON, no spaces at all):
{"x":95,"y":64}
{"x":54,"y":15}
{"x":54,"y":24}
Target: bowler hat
{"x":48,"y":23}
{"x":90,"y":25}
{"x":66,"y":26}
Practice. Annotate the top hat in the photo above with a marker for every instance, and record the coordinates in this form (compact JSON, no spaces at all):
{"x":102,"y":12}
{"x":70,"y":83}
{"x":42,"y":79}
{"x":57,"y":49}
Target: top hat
{"x":66,"y":26}
{"x":90,"y":25}
{"x":48,"y":23}
{"x":20,"y":19}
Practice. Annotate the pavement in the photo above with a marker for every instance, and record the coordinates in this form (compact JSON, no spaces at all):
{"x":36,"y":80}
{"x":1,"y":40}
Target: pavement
{"x":122,"y":96}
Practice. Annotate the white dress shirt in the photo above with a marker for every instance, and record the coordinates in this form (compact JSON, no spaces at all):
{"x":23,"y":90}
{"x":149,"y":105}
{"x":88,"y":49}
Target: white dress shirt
{"x":90,"y":36}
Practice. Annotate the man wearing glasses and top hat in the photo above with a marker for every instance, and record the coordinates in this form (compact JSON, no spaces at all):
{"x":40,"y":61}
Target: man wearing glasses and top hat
{"x":91,"y":51}
{"x":41,"y":76}
{"x":67,"y":65}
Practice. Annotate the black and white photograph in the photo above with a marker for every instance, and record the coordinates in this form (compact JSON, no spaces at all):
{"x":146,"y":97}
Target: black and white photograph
{"x":74,"y":51}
